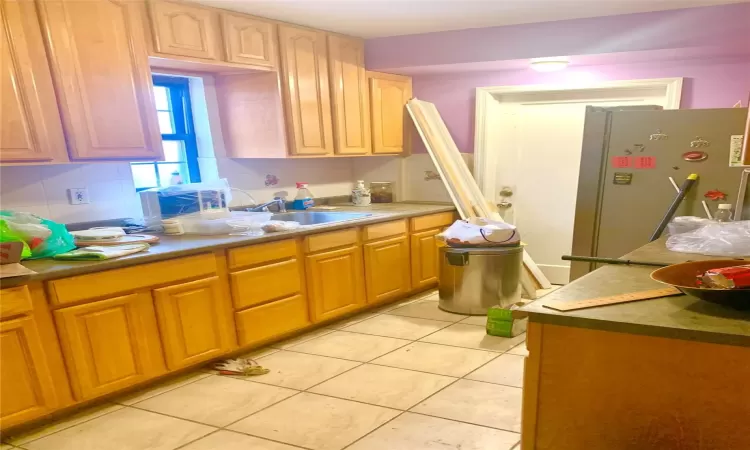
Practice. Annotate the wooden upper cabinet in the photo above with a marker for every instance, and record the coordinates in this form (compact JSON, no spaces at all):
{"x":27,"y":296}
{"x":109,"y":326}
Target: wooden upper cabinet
{"x":185,"y":30}
{"x":304,"y":64}
{"x":30,"y":128}
{"x":110,"y":344}
{"x":248,"y":40}
{"x":388,"y":96}
{"x":195,"y":320}
{"x":100,"y":68}
{"x":351,"y":106}
{"x":26,"y":385}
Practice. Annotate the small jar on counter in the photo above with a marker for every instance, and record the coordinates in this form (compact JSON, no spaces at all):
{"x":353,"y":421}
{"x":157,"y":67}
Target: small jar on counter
{"x":381,"y":191}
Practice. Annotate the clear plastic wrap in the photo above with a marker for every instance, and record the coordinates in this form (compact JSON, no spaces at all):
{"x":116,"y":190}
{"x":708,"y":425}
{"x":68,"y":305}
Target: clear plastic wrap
{"x":683,"y":224}
{"x":182,"y":199}
{"x":714,"y":239}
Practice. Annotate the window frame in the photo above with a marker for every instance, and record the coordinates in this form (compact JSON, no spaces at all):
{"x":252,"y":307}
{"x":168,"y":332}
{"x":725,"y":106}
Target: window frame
{"x":178,"y":91}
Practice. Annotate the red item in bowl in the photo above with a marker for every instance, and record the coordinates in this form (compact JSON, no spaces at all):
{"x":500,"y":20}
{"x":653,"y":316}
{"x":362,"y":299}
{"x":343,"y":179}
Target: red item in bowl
{"x":735,"y":277}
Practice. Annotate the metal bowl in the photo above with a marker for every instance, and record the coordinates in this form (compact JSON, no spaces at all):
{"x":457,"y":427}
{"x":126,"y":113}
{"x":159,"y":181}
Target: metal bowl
{"x":684,"y":277}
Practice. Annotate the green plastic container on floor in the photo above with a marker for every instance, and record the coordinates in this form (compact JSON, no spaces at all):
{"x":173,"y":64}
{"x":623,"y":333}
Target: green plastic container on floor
{"x":505,"y":321}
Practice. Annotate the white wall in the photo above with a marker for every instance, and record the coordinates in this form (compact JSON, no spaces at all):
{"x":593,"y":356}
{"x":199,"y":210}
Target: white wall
{"x":42,"y":190}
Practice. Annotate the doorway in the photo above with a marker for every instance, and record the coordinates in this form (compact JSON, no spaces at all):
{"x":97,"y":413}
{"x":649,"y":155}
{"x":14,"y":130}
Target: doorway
{"x":528,"y":144}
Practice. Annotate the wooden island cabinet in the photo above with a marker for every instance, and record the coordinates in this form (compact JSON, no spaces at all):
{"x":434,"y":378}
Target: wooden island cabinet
{"x":668,"y":373}
{"x":83,"y":337}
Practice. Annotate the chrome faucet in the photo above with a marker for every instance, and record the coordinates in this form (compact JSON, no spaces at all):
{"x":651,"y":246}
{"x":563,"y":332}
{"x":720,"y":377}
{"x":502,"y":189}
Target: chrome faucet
{"x":280,"y":203}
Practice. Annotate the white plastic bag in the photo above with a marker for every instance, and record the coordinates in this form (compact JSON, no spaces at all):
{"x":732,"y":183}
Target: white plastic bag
{"x":480,"y":232}
{"x":714,"y":239}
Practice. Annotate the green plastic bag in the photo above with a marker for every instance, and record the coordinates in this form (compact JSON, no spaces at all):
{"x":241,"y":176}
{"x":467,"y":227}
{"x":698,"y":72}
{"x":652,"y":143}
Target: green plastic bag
{"x":44,"y":238}
{"x":6,"y":235}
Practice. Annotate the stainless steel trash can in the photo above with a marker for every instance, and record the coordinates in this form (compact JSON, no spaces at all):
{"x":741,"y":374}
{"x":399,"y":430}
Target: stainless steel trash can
{"x":474,"y":279}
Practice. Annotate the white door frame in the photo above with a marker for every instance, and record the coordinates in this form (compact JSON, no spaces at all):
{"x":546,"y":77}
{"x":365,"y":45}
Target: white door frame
{"x":488,"y":107}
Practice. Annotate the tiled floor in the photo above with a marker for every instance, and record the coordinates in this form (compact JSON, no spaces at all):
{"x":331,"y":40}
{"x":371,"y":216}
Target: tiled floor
{"x":408,"y":376}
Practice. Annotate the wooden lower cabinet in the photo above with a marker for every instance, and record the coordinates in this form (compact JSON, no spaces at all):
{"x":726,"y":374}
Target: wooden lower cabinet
{"x":195,"y":322}
{"x":272,"y":319}
{"x":334,"y":282}
{"x":26,"y":385}
{"x":387,"y":269}
{"x":424,"y":259}
{"x":265,"y":283}
{"x":110,"y":344}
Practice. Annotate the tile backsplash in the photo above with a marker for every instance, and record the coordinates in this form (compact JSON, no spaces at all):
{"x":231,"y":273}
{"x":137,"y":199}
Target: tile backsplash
{"x":42,"y":190}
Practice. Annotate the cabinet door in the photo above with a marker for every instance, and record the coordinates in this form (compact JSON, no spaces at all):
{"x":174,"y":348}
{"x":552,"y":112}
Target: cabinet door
{"x":307,"y":102}
{"x":110,"y":344}
{"x":30,"y":128}
{"x":334,"y":281}
{"x":424,"y":259}
{"x":351,"y":106}
{"x":102,"y":78}
{"x":184,"y":30}
{"x":248,"y":40}
{"x":26,"y":385}
{"x":388,"y":95}
{"x":195,"y":320}
{"x":387,"y":269}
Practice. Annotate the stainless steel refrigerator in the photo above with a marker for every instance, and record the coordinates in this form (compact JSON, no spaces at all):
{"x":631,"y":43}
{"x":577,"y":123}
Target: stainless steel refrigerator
{"x":628,"y":156}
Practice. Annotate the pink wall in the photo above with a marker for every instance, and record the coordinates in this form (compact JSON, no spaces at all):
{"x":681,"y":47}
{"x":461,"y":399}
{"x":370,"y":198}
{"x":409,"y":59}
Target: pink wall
{"x":723,"y":28}
{"x":708,"y":84}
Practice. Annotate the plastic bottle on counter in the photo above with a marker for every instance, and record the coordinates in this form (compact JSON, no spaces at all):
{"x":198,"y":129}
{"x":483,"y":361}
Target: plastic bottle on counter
{"x":724,"y":214}
{"x":304,"y":199}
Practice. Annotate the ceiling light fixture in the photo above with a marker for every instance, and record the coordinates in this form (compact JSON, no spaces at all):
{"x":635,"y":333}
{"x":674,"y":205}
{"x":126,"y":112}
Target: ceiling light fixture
{"x":549,"y":64}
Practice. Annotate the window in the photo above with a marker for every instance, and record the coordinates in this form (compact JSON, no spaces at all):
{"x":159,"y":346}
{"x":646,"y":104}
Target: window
{"x":180,"y":163}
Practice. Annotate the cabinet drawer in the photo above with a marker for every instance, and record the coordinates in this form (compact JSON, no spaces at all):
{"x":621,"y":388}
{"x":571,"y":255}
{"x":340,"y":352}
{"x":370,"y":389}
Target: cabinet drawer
{"x":14,"y":301}
{"x":265,"y":283}
{"x":432,"y":221}
{"x":325,"y":241}
{"x":262,"y":253}
{"x":384,"y":230}
{"x":273,"y":319}
{"x":90,"y":286}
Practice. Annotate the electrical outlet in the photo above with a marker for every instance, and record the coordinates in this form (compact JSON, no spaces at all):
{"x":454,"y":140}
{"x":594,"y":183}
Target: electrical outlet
{"x":78,"y":196}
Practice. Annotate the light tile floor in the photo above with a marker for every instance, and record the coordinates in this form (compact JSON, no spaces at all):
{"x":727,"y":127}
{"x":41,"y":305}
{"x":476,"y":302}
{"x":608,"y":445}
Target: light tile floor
{"x":408,"y":376}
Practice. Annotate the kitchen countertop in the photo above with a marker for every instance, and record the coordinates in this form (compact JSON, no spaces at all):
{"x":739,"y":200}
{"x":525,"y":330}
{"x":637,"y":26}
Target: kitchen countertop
{"x":185,"y":245}
{"x":681,"y":317}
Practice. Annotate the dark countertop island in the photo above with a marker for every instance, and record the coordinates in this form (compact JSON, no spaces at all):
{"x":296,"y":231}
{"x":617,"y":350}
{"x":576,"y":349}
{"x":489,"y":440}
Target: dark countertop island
{"x":681,"y":317}
{"x":190,"y":244}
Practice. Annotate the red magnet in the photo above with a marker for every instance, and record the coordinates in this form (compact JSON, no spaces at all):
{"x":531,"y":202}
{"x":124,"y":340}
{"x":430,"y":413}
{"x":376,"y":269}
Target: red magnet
{"x":695,"y":156}
{"x":621,"y":162}
{"x":645,"y":162}
{"x":715,"y":195}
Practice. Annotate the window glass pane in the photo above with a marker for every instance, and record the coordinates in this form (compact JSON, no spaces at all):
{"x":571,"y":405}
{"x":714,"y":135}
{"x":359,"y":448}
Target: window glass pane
{"x":144,"y":175}
{"x":174,"y":151}
{"x":162,"y":98}
{"x":171,"y":174}
{"x":165,"y":122}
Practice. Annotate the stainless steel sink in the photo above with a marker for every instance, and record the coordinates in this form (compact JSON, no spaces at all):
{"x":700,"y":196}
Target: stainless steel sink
{"x":317,"y":217}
